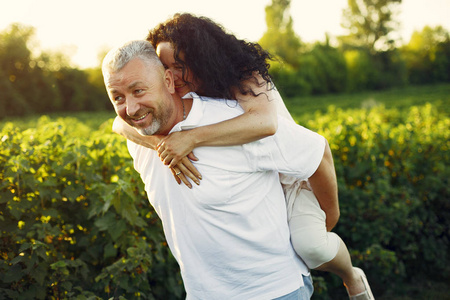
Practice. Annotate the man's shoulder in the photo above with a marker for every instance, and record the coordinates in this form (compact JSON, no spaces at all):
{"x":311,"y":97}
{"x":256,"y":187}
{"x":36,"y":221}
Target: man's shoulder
{"x":208,"y":110}
{"x":228,"y":104}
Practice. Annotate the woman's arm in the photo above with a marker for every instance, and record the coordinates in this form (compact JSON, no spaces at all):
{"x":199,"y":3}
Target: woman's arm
{"x":184,"y":166}
{"x":259,"y":120}
{"x":325,"y":188}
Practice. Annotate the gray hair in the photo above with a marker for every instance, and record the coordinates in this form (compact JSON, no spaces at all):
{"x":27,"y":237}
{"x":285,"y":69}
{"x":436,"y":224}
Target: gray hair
{"x":117,"y":58}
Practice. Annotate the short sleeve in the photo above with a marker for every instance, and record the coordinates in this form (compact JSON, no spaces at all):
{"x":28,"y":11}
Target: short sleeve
{"x":293,"y":150}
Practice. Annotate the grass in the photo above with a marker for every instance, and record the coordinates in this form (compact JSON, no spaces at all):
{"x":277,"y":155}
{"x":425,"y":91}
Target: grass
{"x":302,"y":108}
{"x":91,"y":119}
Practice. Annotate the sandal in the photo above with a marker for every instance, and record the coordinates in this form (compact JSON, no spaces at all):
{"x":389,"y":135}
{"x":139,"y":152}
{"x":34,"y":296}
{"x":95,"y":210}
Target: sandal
{"x":367,"y":294}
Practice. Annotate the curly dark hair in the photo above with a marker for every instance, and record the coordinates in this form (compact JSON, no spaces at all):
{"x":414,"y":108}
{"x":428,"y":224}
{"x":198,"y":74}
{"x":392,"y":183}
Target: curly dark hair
{"x":217,"y":59}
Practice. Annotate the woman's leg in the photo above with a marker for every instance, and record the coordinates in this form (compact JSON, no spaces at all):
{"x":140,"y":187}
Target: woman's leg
{"x":341,"y":265}
{"x":319,"y":249}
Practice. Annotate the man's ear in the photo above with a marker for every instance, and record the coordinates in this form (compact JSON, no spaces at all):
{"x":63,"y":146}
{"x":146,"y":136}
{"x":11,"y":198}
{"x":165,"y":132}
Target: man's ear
{"x":168,"y":80}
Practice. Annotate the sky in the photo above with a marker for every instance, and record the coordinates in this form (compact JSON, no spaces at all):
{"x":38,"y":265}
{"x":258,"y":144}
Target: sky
{"x":84,"y":28}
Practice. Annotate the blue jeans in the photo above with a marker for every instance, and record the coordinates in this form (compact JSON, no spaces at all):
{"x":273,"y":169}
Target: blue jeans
{"x":303,"y":293}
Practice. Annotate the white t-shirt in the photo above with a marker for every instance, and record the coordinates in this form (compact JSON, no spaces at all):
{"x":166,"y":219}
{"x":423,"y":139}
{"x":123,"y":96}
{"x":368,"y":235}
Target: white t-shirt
{"x":230,"y":234}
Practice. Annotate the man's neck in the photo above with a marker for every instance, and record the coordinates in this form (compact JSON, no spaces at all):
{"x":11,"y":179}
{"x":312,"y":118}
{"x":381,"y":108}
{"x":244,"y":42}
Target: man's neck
{"x":187,"y":106}
{"x":182,"y":109}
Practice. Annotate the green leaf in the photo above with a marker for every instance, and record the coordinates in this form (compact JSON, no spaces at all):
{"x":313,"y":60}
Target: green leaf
{"x":58,"y":264}
{"x":6,"y":196}
{"x":38,"y":245}
{"x":17,"y":259}
{"x":52,"y":212}
{"x":24,"y":246}
{"x":105,"y":222}
{"x":39,"y":273}
{"x":117,"y":229}
{"x":109,"y":251}
{"x":13,"y":274}
{"x":67,"y":285}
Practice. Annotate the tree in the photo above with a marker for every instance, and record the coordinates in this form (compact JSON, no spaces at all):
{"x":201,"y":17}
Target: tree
{"x":370,"y":49}
{"x":43,"y":82}
{"x":427,"y":55}
{"x":11,"y":102}
{"x":14,"y":53}
{"x":371,"y":24}
{"x":33,"y":86}
{"x":280,"y":38}
{"x":324,"y":68}
{"x":81,"y":90}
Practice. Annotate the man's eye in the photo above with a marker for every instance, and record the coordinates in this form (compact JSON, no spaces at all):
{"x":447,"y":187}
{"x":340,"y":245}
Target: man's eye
{"x":138,"y":91}
{"x":118,"y":99}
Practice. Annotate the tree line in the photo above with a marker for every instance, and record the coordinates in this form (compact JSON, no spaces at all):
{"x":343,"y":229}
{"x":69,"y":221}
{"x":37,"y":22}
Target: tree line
{"x":368,"y":58}
{"x":44,"y":83}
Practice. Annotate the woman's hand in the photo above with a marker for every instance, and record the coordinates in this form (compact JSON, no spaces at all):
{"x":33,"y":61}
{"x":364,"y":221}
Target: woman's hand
{"x":173,"y":148}
{"x":184,"y":170}
{"x":179,"y":163}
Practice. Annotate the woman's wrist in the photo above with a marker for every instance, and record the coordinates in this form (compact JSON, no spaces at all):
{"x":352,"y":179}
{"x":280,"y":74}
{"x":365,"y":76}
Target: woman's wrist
{"x":195,"y":136}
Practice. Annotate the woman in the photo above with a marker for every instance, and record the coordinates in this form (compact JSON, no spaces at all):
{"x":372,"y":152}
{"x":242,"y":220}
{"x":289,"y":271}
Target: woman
{"x":205,"y":59}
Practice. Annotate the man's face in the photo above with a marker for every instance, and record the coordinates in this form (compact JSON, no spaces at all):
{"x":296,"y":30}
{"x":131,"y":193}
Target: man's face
{"x":166,"y":52}
{"x":141,"y":95}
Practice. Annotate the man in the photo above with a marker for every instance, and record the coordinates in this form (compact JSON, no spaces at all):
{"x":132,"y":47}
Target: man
{"x":230,"y":234}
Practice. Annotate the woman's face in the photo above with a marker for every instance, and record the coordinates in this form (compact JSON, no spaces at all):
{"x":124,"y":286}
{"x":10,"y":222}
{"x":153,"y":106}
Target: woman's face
{"x":165,"y":52}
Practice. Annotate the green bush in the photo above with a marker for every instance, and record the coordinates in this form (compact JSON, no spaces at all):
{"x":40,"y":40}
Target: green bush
{"x":324,"y":68}
{"x":321,"y":70}
{"x":76,"y":224}
{"x":393,"y":190}
{"x":361,"y":70}
{"x":427,"y":56}
{"x":74,"y":218}
{"x":287,"y":82}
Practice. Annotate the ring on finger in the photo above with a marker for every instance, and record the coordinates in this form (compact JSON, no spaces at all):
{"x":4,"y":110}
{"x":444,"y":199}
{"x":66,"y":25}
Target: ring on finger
{"x":178,"y":173}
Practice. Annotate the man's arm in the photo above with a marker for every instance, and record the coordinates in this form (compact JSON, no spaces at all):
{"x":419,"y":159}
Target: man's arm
{"x":324,"y":185}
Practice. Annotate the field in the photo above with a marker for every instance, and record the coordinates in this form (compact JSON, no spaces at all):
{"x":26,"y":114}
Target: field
{"x":399,"y":98}
{"x":305,"y":107}
{"x":76,"y":224}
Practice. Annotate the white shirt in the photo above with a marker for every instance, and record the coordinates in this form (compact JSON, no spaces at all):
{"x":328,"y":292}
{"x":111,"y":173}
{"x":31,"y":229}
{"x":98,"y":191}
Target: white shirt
{"x":230,"y":234}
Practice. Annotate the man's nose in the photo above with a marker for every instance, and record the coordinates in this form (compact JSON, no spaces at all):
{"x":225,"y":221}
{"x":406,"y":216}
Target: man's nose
{"x":132,"y":107}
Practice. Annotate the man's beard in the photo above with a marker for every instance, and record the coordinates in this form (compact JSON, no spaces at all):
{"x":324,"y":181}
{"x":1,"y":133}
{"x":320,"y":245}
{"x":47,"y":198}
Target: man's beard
{"x":151,"y":129}
{"x":160,"y":118}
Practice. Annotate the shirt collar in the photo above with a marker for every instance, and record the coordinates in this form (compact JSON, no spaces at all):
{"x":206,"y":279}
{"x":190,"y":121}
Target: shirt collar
{"x":195,"y":114}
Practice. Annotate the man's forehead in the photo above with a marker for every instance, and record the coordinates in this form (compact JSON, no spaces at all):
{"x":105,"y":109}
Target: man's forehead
{"x":136,"y":72}
{"x":112,"y":85}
